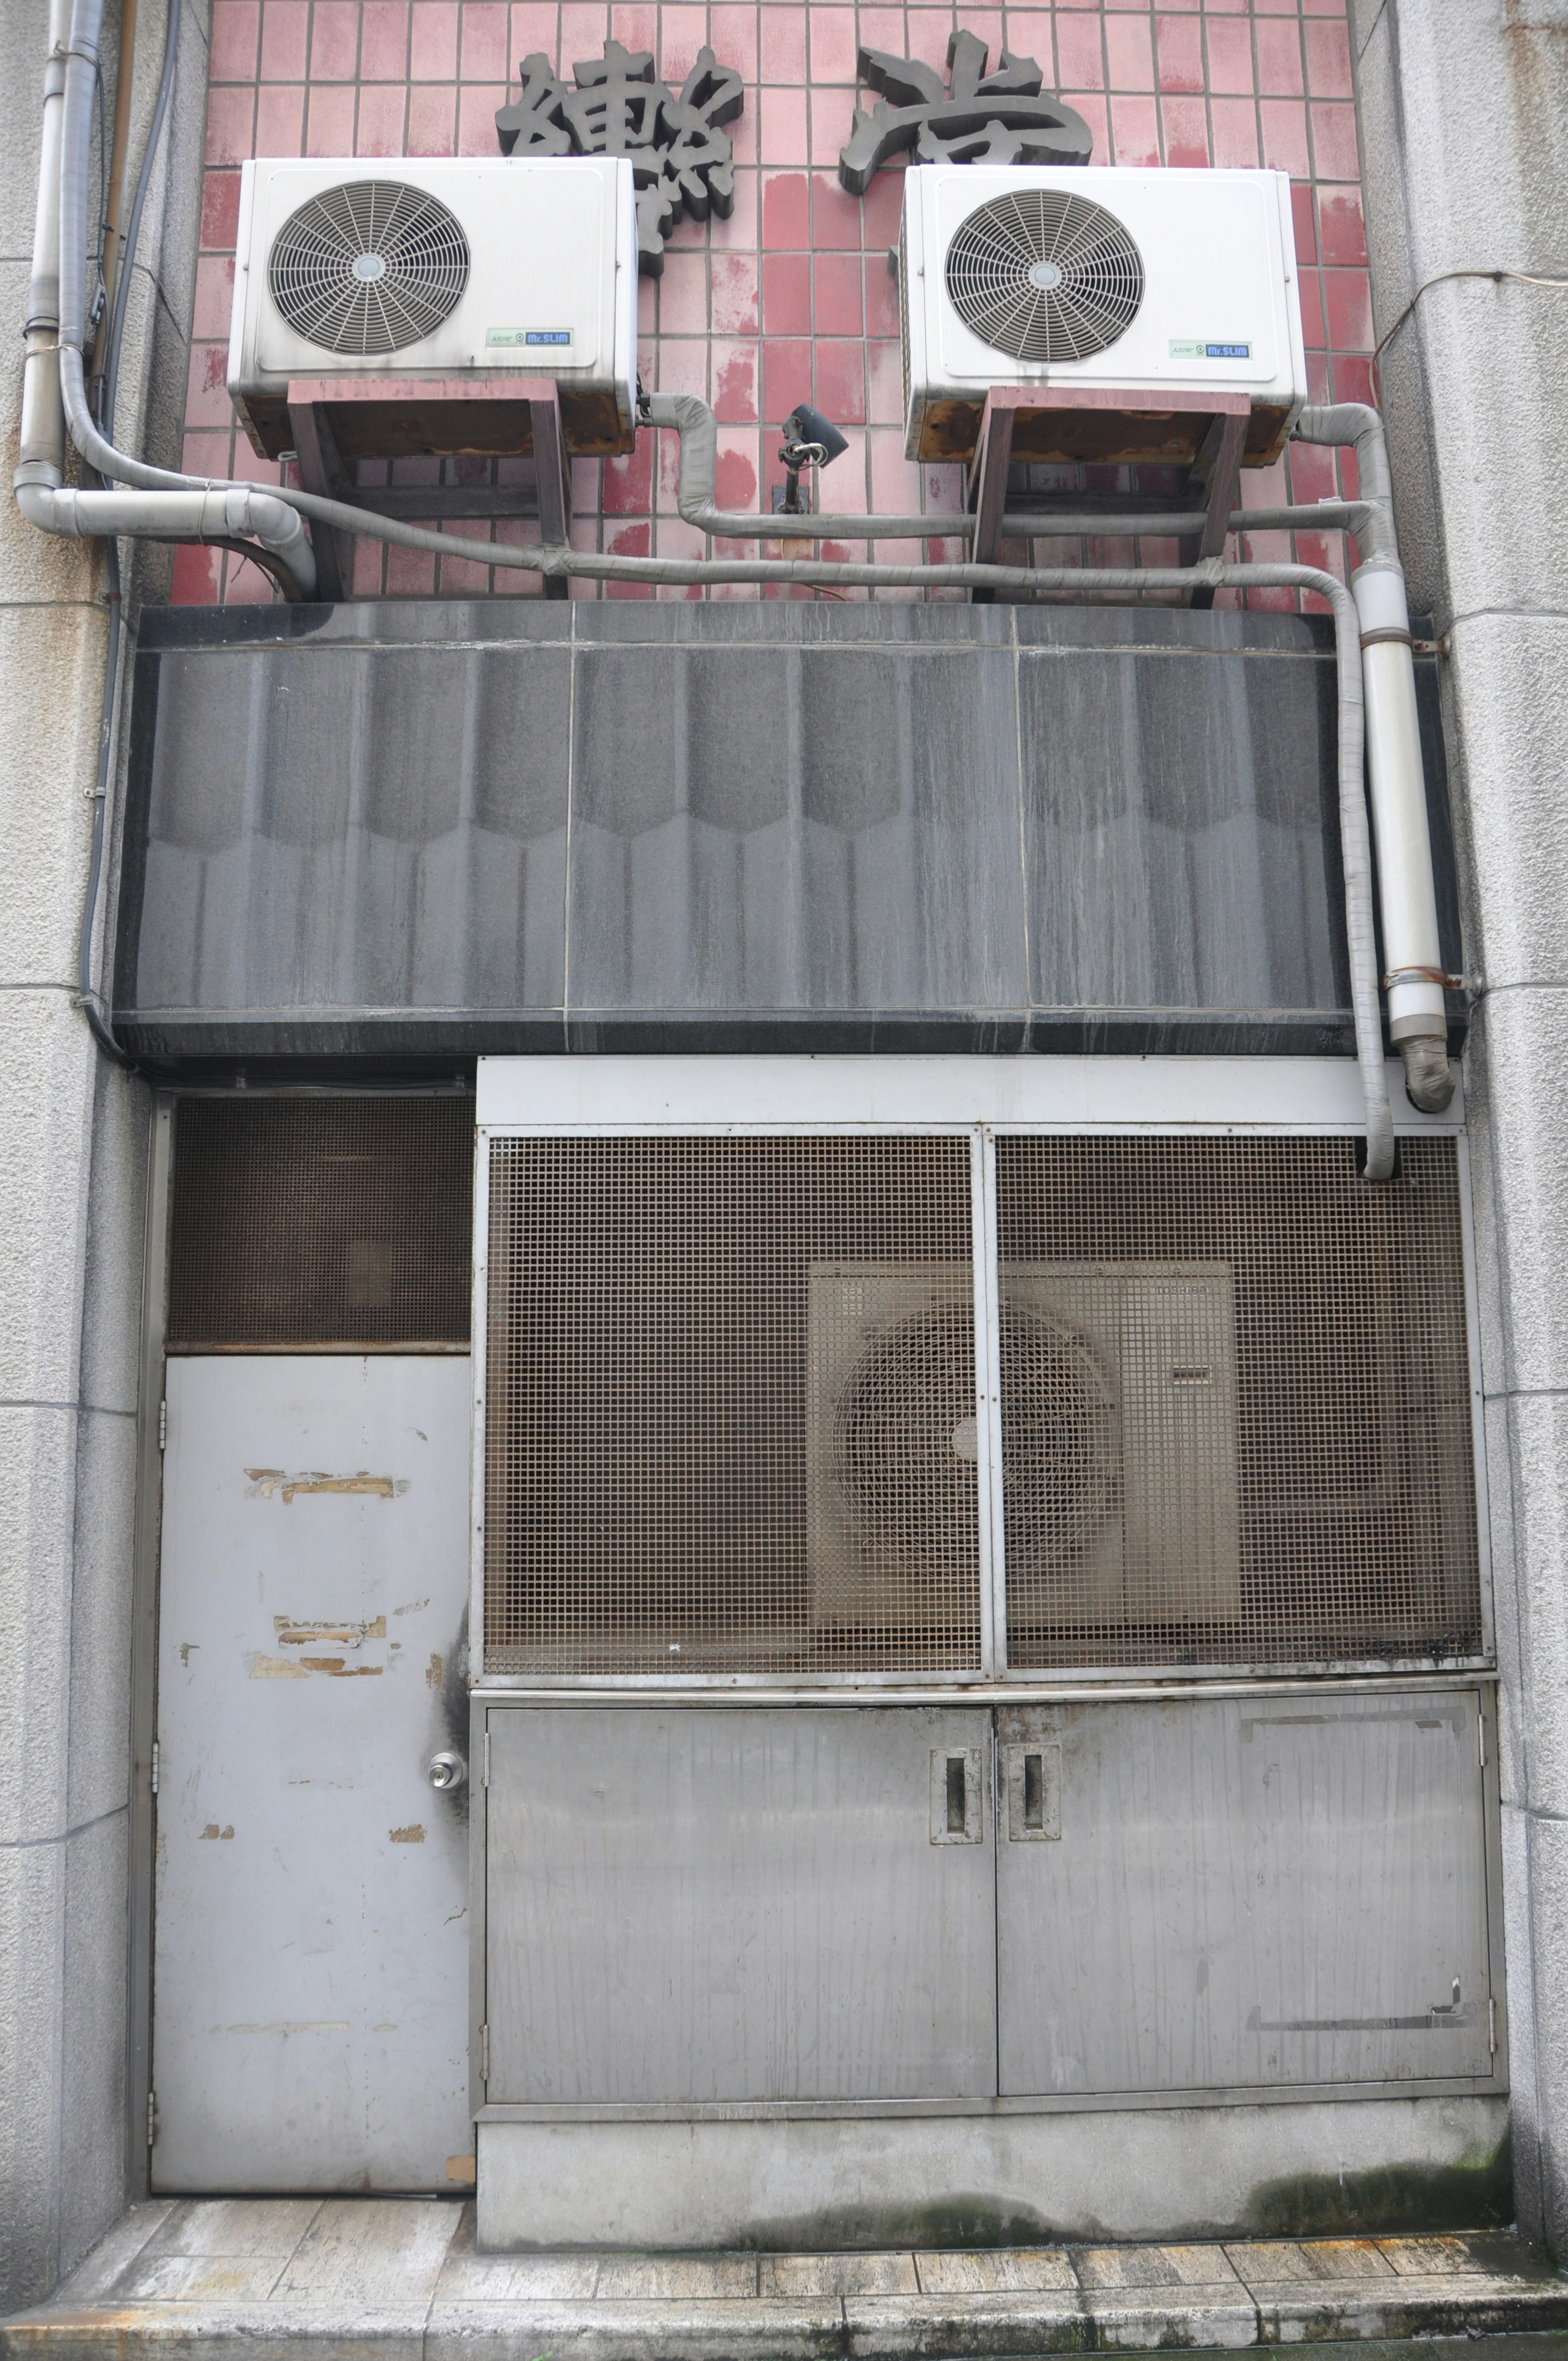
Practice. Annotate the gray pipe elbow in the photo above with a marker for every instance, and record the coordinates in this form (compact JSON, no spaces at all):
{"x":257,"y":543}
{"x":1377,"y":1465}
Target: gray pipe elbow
{"x":1428,"y":1077}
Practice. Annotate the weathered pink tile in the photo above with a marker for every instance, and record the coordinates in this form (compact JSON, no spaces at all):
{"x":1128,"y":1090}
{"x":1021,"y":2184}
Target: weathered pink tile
{"x":237,"y":29}
{"x":1322,"y":8}
{"x":1284,"y":126}
{"x":535,"y":24}
{"x":882,"y":209}
{"x":1179,"y":51}
{"x":780,"y":45}
{"x":1279,"y":73}
{"x":210,"y":453}
{"x":733,"y":33}
{"x":882,"y":29}
{"x":1081,"y":52}
{"x":1328,"y":58}
{"x":841,"y":382}
{"x":740,"y":230}
{"x":884,"y":373}
{"x":896,"y":480}
{"x":683,"y":32}
{"x":1336,"y":155}
{"x":1091,"y":104}
{"x":782,"y":116}
{"x":584,"y":24}
{"x":734,"y":290}
{"x":1183,"y":122}
{"x":1135,"y":131}
{"x":231,"y":117}
{"x":1348,"y":299}
{"x":1351,"y":376}
{"x":676,"y":364}
{"x":220,"y":212}
{"x":432,"y":40}
{"x":369,"y":568}
{"x":683,"y":294}
{"x":786,"y":295}
{"x":329,"y":123}
{"x":635,"y":25}
{"x":280,"y":119}
{"x":285,"y":26}
{"x":837,"y":221}
{"x":433,"y":119}
{"x":477,"y":107}
{"x":206,"y":388}
{"x":214,"y":295}
{"x":1029,"y":34}
{"x":198,"y":576}
{"x":930,"y":30}
{"x":410,"y":574}
{"x":380,"y":127}
{"x":832,"y":44}
{"x":832,"y":112}
{"x":882,"y":297}
{"x":1312,"y":472}
{"x":629,"y":480}
{"x":1306,"y":225}
{"x":840,"y":309}
{"x":735,"y":475}
{"x":742,"y":132}
{"x":482,"y":40}
{"x":1233,"y":123}
{"x":1128,"y":55}
{"x":734,"y":394}
{"x":1318,"y":385}
{"x":458,"y":579}
{"x":384,"y":41}
{"x":1229,"y":56}
{"x":786,"y":377}
{"x":335,"y":40}
{"x":1343,"y":229}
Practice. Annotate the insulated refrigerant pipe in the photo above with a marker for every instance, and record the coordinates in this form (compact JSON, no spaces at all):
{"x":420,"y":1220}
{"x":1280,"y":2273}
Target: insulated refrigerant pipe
{"x":53,"y":385}
{"x":1418,"y":1022}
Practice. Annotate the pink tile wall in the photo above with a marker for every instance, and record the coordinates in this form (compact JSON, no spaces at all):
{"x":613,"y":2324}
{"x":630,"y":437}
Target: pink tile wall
{"x":791,"y":297}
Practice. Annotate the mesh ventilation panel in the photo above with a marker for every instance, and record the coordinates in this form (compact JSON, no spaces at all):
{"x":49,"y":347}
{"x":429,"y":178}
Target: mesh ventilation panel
{"x":368,"y":268}
{"x":1045,"y":276}
{"x":731,"y":1406}
{"x":321,"y":1224}
{"x":1235,"y":1404}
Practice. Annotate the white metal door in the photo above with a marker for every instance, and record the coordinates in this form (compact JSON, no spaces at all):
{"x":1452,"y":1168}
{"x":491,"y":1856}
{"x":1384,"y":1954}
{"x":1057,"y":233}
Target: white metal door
{"x":310,"y":2016}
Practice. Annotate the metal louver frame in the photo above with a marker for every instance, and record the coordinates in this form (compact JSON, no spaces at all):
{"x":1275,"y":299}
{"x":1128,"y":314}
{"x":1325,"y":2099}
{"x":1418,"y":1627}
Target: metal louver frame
{"x":1222,"y":1420}
{"x":369,"y":266}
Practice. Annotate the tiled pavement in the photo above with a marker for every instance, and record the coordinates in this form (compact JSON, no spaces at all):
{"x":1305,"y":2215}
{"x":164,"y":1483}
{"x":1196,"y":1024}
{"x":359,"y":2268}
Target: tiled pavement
{"x":400,"y":2279}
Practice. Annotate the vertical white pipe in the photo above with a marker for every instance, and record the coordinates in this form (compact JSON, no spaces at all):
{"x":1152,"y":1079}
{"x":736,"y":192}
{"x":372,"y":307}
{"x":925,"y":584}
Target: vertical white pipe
{"x":1408,"y":894}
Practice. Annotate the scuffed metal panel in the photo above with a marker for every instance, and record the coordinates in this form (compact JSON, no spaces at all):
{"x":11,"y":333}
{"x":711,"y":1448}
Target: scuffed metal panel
{"x":738,"y":1905}
{"x":310,"y":2025}
{"x":645,"y":825}
{"x":1244,"y":1892}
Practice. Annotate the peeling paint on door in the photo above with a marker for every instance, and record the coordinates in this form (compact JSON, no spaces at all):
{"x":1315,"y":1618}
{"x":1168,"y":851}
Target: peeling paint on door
{"x":265,"y":1481}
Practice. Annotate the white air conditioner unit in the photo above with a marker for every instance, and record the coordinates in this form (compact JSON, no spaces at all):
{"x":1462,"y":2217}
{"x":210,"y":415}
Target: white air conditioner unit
{"x":1110,"y":281}
{"x":437,"y":268}
{"x":1119,"y":1437}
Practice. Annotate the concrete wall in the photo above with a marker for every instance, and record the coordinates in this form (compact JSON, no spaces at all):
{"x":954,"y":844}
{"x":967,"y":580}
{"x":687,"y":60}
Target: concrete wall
{"x":1464,"y":118}
{"x":73,"y":1135}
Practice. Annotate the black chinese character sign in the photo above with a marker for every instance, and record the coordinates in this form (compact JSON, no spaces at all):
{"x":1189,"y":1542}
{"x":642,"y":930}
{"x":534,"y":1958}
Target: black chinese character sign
{"x":681,"y":161}
{"x":981,"y":118}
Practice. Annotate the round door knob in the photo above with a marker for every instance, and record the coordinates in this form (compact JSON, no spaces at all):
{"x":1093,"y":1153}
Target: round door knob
{"x":446,"y":1771}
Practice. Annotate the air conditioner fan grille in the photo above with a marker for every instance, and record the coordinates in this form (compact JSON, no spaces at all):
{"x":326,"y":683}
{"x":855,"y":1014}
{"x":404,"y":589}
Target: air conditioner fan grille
{"x":904,"y":1453}
{"x":368,"y":266}
{"x":1045,"y":275}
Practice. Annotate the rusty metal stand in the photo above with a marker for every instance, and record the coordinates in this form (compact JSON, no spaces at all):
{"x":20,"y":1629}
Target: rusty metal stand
{"x":1212,"y":475}
{"x":335,"y":421}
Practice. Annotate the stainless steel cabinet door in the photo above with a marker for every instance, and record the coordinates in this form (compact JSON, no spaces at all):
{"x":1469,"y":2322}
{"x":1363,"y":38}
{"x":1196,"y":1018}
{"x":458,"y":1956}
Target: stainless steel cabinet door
{"x":1240,"y":1893}
{"x":747,"y":1904}
{"x":311,"y":2016}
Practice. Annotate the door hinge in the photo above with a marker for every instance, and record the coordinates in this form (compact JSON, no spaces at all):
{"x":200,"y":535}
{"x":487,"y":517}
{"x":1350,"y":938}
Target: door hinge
{"x":487,"y":1771}
{"x":151,"y":2117}
{"x":1481,"y":1738}
{"x":1492,"y":2025}
{"x":485,"y":2056}
{"x":155,"y":1766}
{"x":163,"y":1425}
